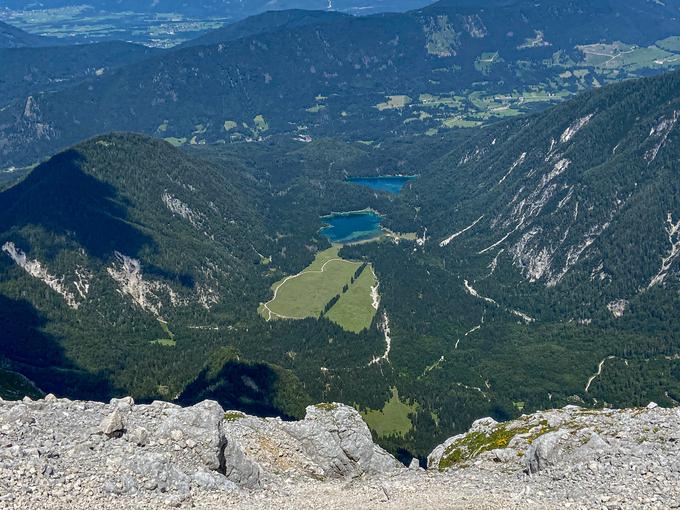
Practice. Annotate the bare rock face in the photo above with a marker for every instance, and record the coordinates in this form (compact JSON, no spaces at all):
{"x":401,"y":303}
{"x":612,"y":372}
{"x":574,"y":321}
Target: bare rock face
{"x":165,"y":452}
{"x":561,"y":440}
{"x":331,"y":442}
{"x":57,"y":453}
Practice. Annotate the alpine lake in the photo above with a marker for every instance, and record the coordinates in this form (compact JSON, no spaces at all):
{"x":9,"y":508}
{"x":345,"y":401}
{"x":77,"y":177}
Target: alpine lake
{"x":360,"y":226}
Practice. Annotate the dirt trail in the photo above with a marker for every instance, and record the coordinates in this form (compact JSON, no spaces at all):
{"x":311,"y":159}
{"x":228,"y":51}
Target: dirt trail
{"x":288,"y":278}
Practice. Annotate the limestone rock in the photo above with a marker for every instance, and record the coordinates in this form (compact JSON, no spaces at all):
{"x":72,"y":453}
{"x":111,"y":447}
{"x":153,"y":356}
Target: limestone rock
{"x":113,"y":425}
{"x":55,"y":453}
{"x":544,"y":451}
{"x":202,"y":424}
{"x":331,"y":442}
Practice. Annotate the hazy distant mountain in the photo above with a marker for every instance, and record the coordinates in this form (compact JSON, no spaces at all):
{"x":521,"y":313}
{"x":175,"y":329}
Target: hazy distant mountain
{"x":32,"y":70}
{"x":12,"y":37}
{"x":330,"y":74}
{"x":227,"y":8}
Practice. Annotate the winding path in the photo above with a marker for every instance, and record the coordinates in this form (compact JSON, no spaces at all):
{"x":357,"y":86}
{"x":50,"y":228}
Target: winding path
{"x":285,"y":280}
{"x":599,"y":372}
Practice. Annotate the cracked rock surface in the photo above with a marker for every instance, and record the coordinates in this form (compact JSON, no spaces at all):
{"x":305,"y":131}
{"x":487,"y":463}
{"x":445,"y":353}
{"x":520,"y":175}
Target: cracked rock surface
{"x":57,"y":453}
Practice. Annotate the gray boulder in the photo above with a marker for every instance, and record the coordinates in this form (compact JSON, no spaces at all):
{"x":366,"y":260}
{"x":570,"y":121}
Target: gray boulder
{"x":239,"y":469}
{"x":544,"y":452}
{"x":200,"y":426}
{"x":113,"y":425}
{"x":337,"y":438}
{"x":332,"y":441}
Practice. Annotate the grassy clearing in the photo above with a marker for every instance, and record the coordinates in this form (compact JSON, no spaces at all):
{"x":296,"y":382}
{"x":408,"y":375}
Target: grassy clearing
{"x":260,"y":123}
{"x":392,"y":418}
{"x":486,"y":61}
{"x":460,"y":123}
{"x":316,"y":108}
{"x":354,"y":311}
{"x":394,"y":102}
{"x":169,"y":341}
{"x":670,"y":44}
{"x":177,"y":142}
{"x":308,"y":293}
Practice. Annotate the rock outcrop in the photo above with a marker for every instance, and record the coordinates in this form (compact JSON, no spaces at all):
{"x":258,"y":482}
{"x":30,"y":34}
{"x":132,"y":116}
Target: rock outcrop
{"x":166,"y":452}
{"x":57,"y":453}
{"x":331,"y":442}
{"x":569,"y":442}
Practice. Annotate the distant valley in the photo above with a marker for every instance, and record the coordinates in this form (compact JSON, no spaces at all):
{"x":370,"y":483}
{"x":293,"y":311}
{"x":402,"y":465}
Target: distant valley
{"x":446,"y":66}
{"x":432,"y":216}
{"x":165,"y":23}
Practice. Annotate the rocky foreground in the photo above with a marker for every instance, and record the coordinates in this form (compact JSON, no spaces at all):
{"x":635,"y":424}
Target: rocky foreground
{"x":57,"y":453}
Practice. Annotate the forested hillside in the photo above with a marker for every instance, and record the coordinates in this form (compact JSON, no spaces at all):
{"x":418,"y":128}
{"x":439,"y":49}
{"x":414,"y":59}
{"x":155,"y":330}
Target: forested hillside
{"x":31,"y":71}
{"x":449,"y":65}
{"x":12,"y":37}
{"x":527,"y":264}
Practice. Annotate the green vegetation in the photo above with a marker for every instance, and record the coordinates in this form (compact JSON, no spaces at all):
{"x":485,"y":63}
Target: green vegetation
{"x":169,"y":341}
{"x":316,"y":108}
{"x":394,"y":102}
{"x":233,"y":416}
{"x":393,"y":418}
{"x":328,"y":280}
{"x":326,"y":406}
{"x":473,"y":443}
{"x":486,"y":61}
{"x":14,"y":386}
{"x":354,"y":310}
{"x":177,"y":142}
{"x":260,"y":123}
{"x":215,"y":224}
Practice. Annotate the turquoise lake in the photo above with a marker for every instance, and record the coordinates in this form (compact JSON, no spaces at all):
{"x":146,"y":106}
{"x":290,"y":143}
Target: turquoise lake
{"x":389,"y":183}
{"x":351,"y":227}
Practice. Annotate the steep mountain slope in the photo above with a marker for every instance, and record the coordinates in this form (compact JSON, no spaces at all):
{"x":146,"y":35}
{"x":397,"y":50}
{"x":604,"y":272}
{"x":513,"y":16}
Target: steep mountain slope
{"x":30,"y":71}
{"x":539,"y":269}
{"x":547,"y":269}
{"x":12,"y":37}
{"x":444,"y":66}
{"x":582,"y":201}
{"x":105,"y":248}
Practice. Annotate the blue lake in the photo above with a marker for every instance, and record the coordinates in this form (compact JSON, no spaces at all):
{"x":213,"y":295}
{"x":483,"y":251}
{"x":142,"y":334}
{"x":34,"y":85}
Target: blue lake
{"x":389,"y":183}
{"x":351,"y":227}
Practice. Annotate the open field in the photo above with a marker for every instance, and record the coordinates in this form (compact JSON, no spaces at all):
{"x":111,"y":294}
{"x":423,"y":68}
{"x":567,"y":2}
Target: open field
{"x":307,"y":293}
{"x":394,"y":102}
{"x":354,"y":311}
{"x":169,"y":340}
{"x":392,"y":418}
